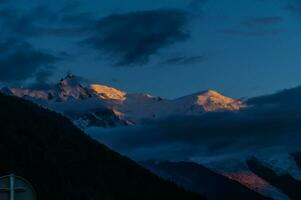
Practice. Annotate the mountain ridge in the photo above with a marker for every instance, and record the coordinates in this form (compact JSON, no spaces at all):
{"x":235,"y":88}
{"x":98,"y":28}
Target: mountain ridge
{"x":127,"y":108}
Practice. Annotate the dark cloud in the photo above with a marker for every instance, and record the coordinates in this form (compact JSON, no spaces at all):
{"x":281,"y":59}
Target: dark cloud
{"x":3,"y":2}
{"x":20,"y":61}
{"x":293,"y":6}
{"x":41,"y":80}
{"x":195,"y":7}
{"x":130,"y":38}
{"x":23,"y":23}
{"x":41,"y":21}
{"x":256,"y":26}
{"x":133,"y":37}
{"x":254,"y":125}
{"x":197,"y":4}
{"x":185,"y":60}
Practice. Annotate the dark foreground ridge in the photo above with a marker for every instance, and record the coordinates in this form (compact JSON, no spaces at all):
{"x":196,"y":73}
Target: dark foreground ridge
{"x":63,"y":163}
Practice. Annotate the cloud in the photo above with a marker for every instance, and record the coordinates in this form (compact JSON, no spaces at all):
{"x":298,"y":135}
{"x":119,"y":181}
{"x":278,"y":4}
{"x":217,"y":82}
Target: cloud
{"x":195,"y":7}
{"x":133,"y":37}
{"x":41,"y":80}
{"x":271,"y":121}
{"x":210,"y":129}
{"x":256,"y":26}
{"x":293,"y":6}
{"x":17,"y":23}
{"x":262,"y":21}
{"x":20,"y":60}
{"x":185,"y":60}
{"x":197,"y":4}
{"x":43,"y":21}
{"x":144,"y":32}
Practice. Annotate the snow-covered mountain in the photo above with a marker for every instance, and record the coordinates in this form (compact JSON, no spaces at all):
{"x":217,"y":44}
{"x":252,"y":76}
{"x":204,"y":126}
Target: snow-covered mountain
{"x":104,"y":106}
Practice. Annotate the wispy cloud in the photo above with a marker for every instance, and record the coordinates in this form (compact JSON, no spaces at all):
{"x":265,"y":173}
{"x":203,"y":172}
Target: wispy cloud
{"x":185,"y":60}
{"x":256,"y":26}
{"x":262,"y":21}
{"x":293,"y":6}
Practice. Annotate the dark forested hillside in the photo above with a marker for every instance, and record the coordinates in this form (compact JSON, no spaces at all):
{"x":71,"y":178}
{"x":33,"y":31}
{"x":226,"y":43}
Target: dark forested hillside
{"x":63,"y":163}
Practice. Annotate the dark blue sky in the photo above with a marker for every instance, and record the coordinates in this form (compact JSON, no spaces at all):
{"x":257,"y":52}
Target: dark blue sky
{"x":169,"y":47}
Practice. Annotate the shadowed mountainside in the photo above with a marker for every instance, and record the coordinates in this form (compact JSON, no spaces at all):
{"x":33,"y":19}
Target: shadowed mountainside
{"x":200,"y":179}
{"x":284,"y":182}
{"x":63,"y":163}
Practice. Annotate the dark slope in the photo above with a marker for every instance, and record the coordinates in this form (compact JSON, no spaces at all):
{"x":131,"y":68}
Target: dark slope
{"x":200,"y":179}
{"x":63,"y":163}
{"x":285,"y":183}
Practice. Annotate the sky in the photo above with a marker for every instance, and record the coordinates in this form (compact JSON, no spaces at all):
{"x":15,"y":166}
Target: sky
{"x":169,"y":48}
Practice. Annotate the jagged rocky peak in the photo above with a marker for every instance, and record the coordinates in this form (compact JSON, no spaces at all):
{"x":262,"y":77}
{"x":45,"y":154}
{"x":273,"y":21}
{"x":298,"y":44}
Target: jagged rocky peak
{"x":70,"y":80}
{"x":108,"y":93}
{"x":70,"y":87}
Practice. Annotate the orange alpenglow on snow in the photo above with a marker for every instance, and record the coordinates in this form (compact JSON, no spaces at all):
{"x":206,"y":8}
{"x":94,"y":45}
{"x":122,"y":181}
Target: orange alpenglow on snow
{"x":108,"y":93}
{"x":214,"y":101}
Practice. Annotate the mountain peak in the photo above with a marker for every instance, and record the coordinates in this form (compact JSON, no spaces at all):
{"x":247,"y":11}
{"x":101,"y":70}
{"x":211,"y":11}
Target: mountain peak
{"x":70,"y":80}
{"x":70,"y":76}
{"x":212,"y":100}
{"x":70,"y":87}
{"x":211,"y":93}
